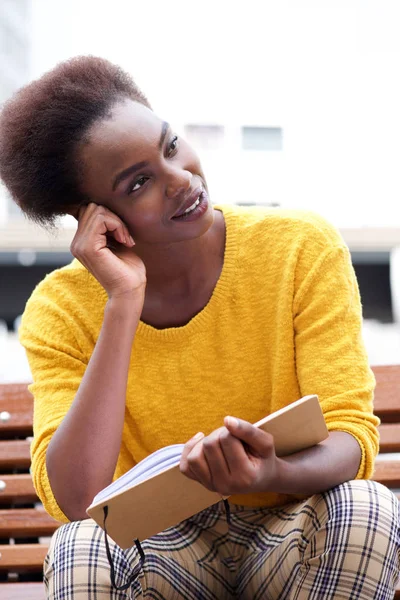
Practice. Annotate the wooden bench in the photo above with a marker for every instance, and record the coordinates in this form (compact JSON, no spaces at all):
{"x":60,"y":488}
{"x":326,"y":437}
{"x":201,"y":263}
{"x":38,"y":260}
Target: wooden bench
{"x":25,"y":527}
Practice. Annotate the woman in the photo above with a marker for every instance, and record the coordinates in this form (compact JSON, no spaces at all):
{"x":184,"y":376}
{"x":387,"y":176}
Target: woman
{"x":175,"y":315}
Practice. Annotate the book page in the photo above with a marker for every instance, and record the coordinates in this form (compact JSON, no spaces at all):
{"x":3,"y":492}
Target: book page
{"x":153,"y":464}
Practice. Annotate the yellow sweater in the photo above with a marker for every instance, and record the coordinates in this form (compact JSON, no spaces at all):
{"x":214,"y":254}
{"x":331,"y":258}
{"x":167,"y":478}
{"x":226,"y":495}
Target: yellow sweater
{"x":284,"y":321}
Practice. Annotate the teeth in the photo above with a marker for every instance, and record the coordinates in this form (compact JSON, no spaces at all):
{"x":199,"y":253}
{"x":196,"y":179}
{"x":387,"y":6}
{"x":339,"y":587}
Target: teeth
{"x":193,"y":206}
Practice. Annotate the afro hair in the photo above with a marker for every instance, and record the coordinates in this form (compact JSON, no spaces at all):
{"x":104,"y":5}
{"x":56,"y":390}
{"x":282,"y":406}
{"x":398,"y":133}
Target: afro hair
{"x":42,"y":125}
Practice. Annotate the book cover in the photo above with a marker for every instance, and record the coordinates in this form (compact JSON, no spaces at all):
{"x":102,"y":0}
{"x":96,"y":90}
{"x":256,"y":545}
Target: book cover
{"x":155,"y":495}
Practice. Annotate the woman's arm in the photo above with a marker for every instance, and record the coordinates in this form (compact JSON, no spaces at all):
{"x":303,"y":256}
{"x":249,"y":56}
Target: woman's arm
{"x":83,"y":452}
{"x":333,"y":461}
{"x":240,"y":459}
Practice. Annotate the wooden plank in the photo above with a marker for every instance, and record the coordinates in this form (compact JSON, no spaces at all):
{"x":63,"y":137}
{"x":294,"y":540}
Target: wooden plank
{"x":22,"y":557}
{"x":15,"y":454}
{"x":25,"y":523}
{"x":387,"y":393}
{"x":16,"y":409}
{"x":17,"y":488}
{"x":23,"y":591}
{"x":388,"y":473}
{"x":389,"y":438}
{"x":15,"y":395}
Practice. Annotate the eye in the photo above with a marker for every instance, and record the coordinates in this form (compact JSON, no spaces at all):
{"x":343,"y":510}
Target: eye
{"x":173,"y":146}
{"x":137,"y":184}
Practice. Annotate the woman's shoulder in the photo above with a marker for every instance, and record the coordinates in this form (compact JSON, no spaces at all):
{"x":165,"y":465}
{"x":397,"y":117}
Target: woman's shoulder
{"x":288,"y":225}
{"x":68,"y":290}
{"x":67,"y":282}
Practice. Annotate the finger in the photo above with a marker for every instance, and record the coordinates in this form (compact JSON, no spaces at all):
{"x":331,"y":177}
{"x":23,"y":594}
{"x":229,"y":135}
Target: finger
{"x":214,"y":455}
{"x":234,"y":452}
{"x":90,"y":215}
{"x":83,"y":213}
{"x":259,"y":441}
{"x":113,"y":227}
{"x":86,"y":210}
{"x":98,"y":220}
{"x":118,"y":228}
{"x":121,"y":234}
{"x":197,"y":466}
{"x":117,"y":246}
{"x":188,"y":447}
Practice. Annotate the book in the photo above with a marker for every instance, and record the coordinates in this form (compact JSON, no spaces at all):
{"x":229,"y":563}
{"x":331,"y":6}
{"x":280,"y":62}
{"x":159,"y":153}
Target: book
{"x":155,"y":495}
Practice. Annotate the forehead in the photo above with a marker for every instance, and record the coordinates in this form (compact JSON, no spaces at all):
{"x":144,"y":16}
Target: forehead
{"x":130,"y":134}
{"x":129,"y":123}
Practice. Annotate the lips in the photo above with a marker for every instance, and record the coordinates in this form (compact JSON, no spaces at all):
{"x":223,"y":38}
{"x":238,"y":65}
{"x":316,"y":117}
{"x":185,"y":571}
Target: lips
{"x":188,"y":202}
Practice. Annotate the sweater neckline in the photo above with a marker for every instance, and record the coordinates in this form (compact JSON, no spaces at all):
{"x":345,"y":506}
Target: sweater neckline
{"x":199,"y":321}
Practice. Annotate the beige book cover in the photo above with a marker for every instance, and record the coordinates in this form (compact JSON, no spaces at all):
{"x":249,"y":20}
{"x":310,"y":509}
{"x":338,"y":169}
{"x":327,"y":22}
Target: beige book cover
{"x":140,"y":509}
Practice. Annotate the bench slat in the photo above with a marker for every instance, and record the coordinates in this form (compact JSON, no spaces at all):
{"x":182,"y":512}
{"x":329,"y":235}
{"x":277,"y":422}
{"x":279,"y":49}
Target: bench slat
{"x":17,"y":488}
{"x":22,"y":557}
{"x":15,"y":395}
{"x":389,"y":437}
{"x":388,"y":473}
{"x":387,"y":393}
{"x":15,"y":454}
{"x":26,"y":522}
{"x":16,"y":400}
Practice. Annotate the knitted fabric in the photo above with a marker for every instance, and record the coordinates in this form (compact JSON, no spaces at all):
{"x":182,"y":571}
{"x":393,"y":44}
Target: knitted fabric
{"x":284,"y":321}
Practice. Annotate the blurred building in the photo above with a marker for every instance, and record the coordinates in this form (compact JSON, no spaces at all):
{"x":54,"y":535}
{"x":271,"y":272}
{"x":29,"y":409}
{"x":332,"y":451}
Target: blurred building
{"x":15,"y":49}
{"x":14,"y":45}
{"x":20,"y":267}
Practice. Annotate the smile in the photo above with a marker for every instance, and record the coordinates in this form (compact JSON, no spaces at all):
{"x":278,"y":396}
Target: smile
{"x":195,"y":210}
{"x":188,"y":210}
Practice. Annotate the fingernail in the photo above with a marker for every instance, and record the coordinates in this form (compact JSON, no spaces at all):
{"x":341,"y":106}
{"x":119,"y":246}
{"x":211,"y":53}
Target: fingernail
{"x":231,"y":421}
{"x":198,"y":436}
{"x":132,"y":241}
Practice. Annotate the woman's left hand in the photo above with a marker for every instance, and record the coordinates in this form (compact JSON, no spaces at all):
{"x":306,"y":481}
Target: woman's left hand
{"x":236,"y":459}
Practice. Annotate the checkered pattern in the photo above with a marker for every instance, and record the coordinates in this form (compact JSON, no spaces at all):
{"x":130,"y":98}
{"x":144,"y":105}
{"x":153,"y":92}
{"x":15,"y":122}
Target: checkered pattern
{"x":343,"y":544}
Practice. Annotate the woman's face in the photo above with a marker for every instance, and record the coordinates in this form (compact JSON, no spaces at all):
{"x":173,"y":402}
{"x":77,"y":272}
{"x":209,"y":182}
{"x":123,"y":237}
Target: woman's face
{"x":136,"y":166}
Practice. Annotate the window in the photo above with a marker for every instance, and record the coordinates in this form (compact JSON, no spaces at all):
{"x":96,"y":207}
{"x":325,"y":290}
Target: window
{"x":205,"y":137}
{"x":262,"y":138}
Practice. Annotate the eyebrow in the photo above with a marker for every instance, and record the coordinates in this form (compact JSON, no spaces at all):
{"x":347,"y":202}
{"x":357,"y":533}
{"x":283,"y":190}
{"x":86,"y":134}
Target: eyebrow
{"x":164,"y":130}
{"x":140,"y":165}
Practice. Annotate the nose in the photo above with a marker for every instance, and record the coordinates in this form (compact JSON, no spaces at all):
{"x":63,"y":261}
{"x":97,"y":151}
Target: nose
{"x":178,"y":183}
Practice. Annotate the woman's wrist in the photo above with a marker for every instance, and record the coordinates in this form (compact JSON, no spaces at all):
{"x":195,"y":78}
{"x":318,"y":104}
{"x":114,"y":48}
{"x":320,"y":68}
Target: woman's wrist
{"x":284,"y":480}
{"x":127,"y":307}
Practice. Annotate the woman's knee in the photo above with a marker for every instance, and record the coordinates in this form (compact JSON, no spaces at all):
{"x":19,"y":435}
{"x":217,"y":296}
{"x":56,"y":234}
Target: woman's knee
{"x":362,"y":503}
{"x":77,"y":566}
{"x":361,"y":526}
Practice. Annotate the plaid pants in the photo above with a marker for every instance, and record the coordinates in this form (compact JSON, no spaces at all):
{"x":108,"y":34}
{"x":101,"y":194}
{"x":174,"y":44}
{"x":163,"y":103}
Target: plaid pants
{"x":342,"y":544}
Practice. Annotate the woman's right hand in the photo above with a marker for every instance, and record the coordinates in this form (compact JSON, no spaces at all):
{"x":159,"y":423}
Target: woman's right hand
{"x":103,"y":244}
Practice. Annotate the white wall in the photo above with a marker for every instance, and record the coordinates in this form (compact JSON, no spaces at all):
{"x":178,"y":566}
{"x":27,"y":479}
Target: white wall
{"x":325,"y":71}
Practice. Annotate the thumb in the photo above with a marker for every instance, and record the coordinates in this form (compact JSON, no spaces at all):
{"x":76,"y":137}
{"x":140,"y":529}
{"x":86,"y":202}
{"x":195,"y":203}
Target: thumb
{"x":258,"y":441}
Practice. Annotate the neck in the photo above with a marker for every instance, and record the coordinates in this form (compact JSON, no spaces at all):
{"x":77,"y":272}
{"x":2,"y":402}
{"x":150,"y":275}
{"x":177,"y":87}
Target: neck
{"x":182,"y":266}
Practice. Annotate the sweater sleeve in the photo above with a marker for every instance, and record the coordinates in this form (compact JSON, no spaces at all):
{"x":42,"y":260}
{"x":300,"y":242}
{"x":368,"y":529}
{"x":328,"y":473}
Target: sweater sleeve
{"x":331,"y":359}
{"x":57,"y":365}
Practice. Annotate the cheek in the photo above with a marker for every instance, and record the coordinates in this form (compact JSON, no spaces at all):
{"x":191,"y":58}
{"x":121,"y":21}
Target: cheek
{"x":190,"y":157}
{"x":141,"y":214}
